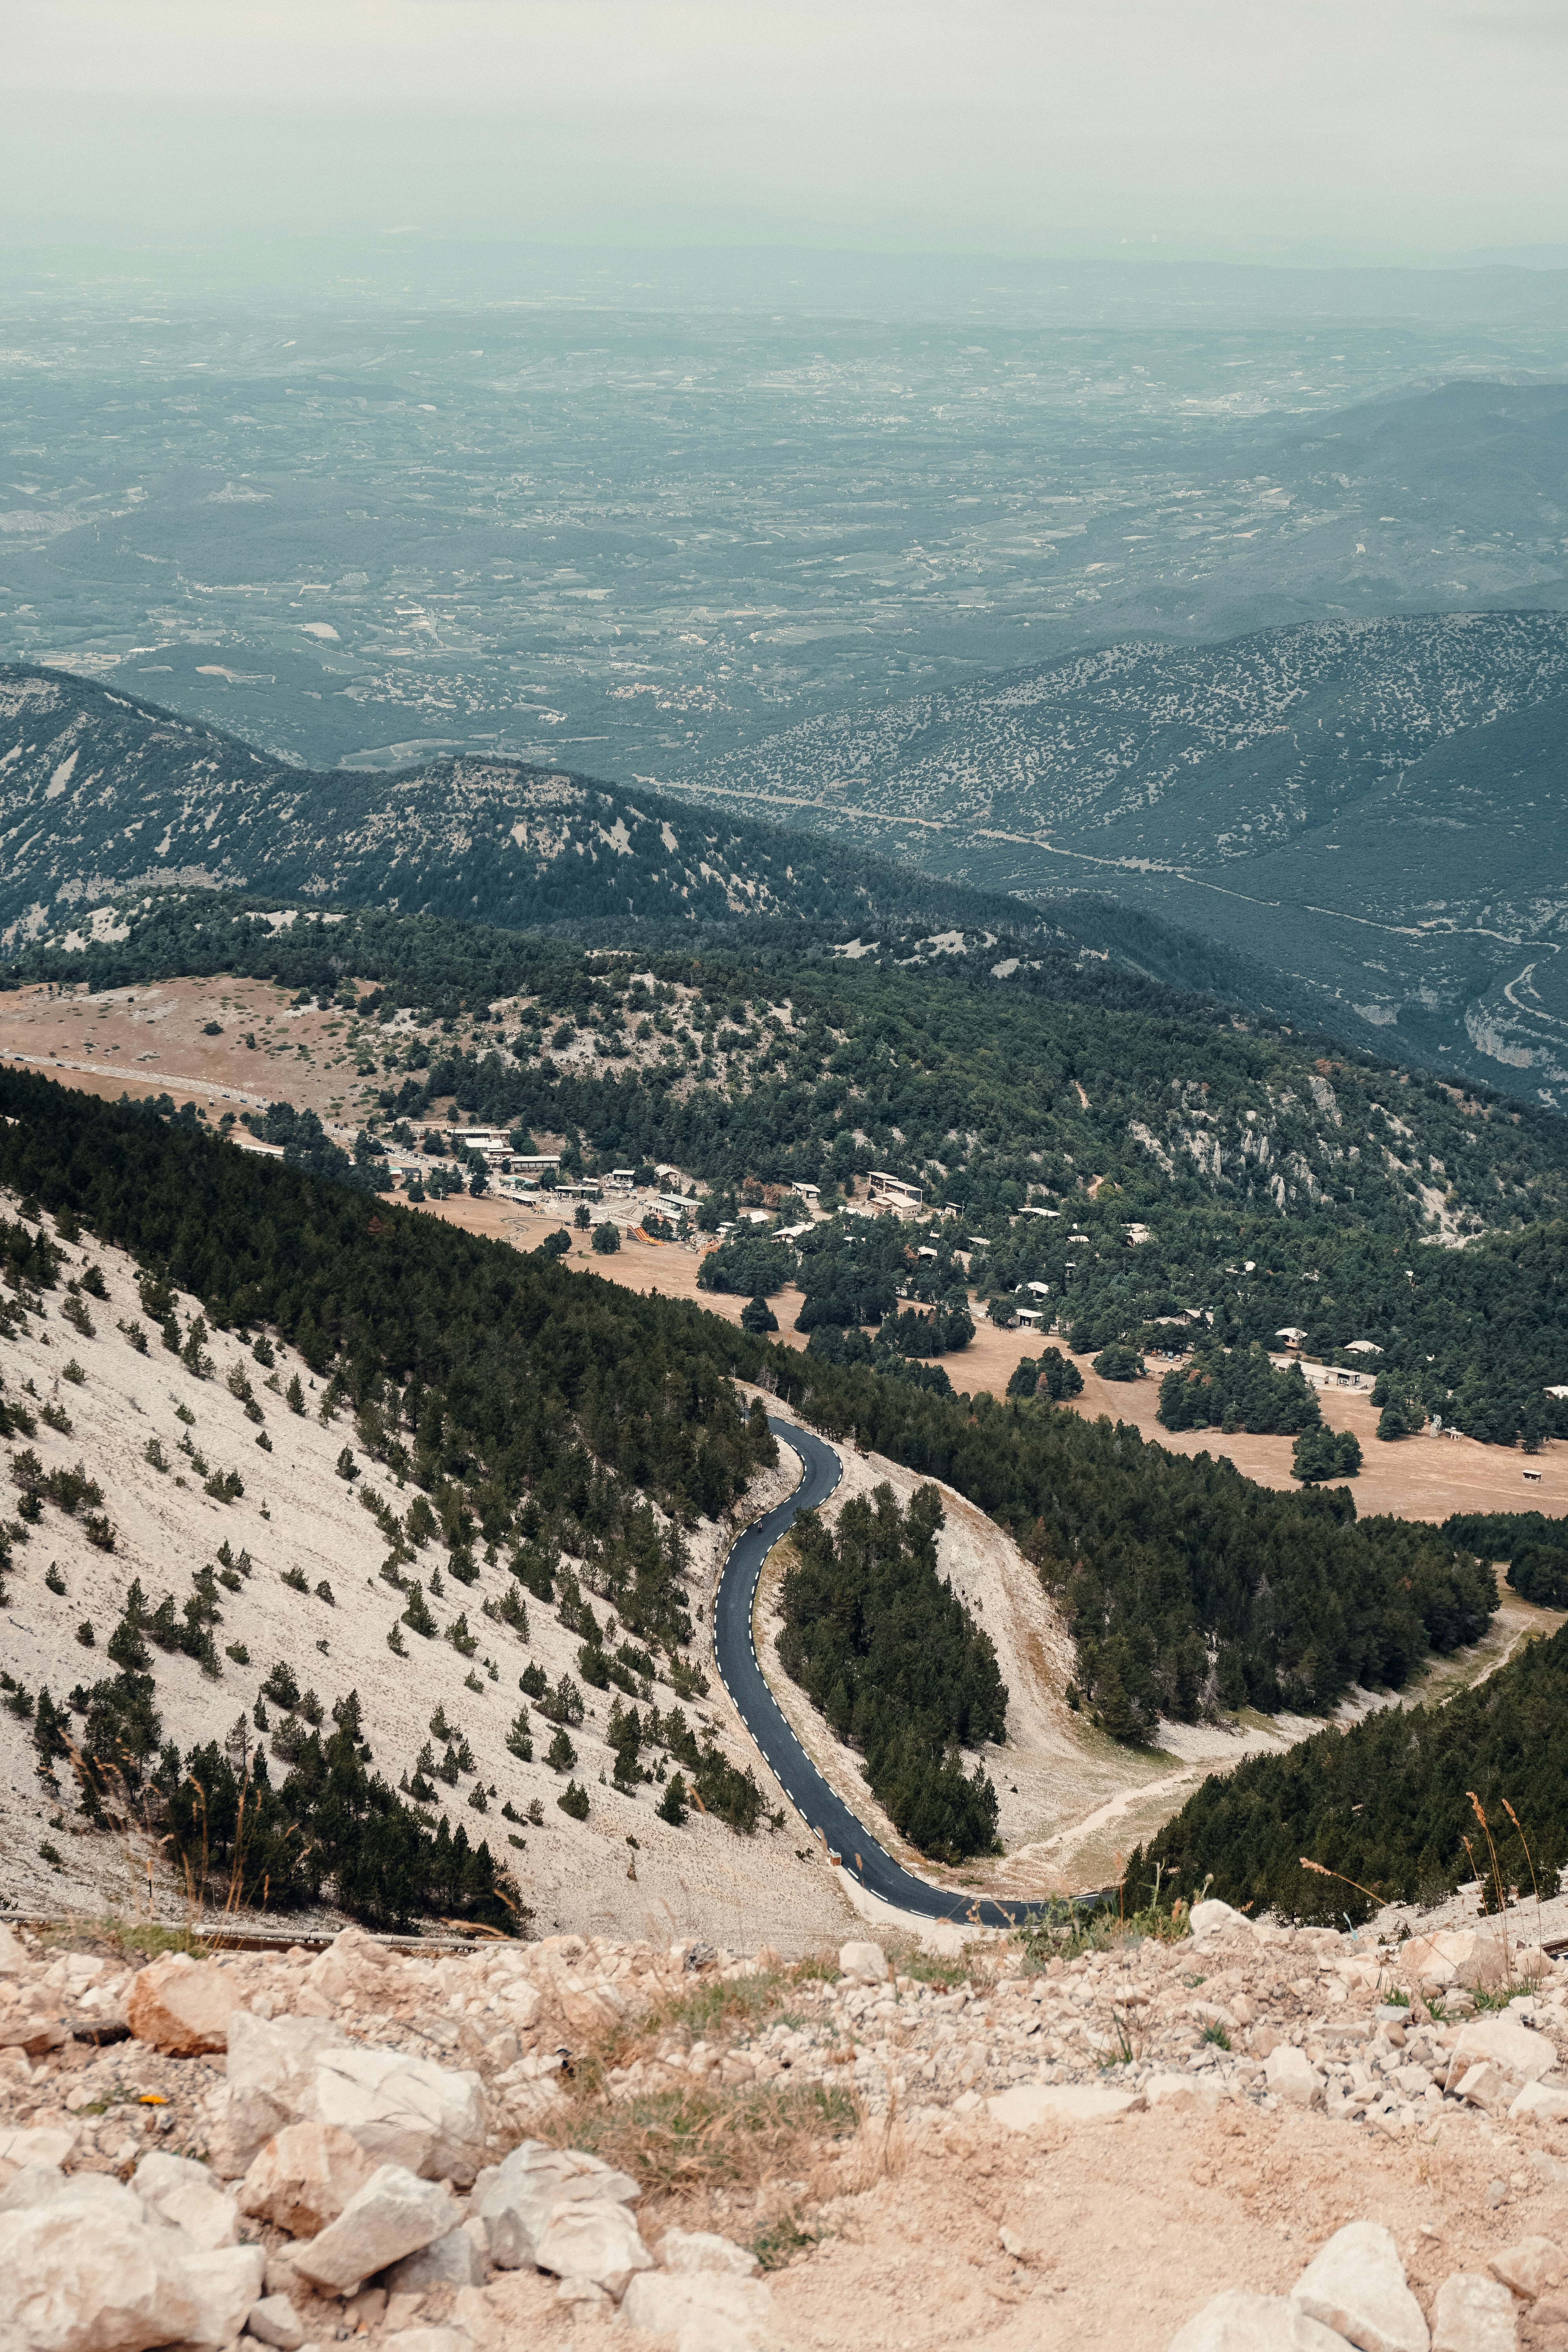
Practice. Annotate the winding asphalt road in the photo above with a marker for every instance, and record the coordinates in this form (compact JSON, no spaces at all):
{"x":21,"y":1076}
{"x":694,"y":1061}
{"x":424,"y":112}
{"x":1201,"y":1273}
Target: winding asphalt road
{"x":822,"y":1810}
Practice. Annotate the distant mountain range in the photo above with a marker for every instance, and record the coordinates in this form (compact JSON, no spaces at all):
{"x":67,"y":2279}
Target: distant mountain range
{"x":99,"y":792}
{"x":1372,"y":812}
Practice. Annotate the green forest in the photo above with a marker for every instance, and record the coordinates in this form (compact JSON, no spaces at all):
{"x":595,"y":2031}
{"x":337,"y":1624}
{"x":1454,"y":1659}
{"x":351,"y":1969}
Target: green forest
{"x":879,"y":1642}
{"x":1386,"y":1803}
{"x":1278,"y":1183}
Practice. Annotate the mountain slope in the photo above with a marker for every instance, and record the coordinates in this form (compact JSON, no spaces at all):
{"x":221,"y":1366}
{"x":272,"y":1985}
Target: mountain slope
{"x":1376,"y":810}
{"x":99,"y":791}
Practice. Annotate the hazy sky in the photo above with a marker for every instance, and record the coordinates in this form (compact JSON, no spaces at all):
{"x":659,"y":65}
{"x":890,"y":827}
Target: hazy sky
{"x":1016,"y":123}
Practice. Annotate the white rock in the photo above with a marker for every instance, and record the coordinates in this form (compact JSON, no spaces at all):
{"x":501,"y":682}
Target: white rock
{"x":1543,"y":2101}
{"x":274,"y":2320}
{"x":1291,"y":2075}
{"x":304,"y":2177}
{"x":703,"y":2311}
{"x":597,"y":2242}
{"x":1508,"y":2044}
{"x":528,"y":2187}
{"x":1531,"y":2268}
{"x":13,"y":1956}
{"x":686,"y":2252}
{"x":86,"y":2274}
{"x":270,"y":2076}
{"x":353,"y":1965}
{"x":456,"y":2260}
{"x":183,"y":2007}
{"x":1355,"y":2286}
{"x":1473,"y":2314}
{"x":1027,"y":2105}
{"x":1181,"y":2090}
{"x":1215,"y":1918}
{"x":404,"y":2110}
{"x":430,"y":2339}
{"x":1254,"y":2322}
{"x":392,"y":2215}
{"x":40,"y":2184}
{"x":866,"y":1963}
{"x":184,"y":2195}
{"x":46,"y":2144}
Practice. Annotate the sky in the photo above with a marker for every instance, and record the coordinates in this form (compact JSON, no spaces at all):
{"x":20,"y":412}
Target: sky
{"x":1330,"y":127}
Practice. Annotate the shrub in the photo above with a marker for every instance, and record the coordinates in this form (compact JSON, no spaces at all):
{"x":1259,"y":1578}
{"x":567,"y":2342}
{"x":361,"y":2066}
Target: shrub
{"x":417,"y":1616}
{"x":1119,"y":1363}
{"x":574,"y":1800}
{"x":560,"y":1756}
{"x":85,"y":1634}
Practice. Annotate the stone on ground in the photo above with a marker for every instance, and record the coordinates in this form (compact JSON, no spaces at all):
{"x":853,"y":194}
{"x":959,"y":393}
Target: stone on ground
{"x":527,"y":2187}
{"x":598,"y":2242}
{"x":404,"y":2110}
{"x":867,"y":1962}
{"x":95,"y":2275}
{"x":46,"y":2144}
{"x":304,"y":2177}
{"x":392,"y":2215}
{"x":270,"y":2077}
{"x":686,"y":2252}
{"x":1474,"y":2314}
{"x":1027,"y":2105}
{"x":1508,"y":2044}
{"x":1532,"y":2267}
{"x":183,"y":2007}
{"x":275,"y":2321}
{"x":1254,"y":2322}
{"x":704,"y":2311}
{"x":1544,"y":2101}
{"x":455,"y":2261}
{"x":184,"y":2195}
{"x":1291,"y":2075}
{"x":1356,"y":2287}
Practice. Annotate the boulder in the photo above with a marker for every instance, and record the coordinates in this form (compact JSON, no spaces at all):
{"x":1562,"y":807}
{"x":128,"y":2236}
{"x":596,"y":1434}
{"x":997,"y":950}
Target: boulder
{"x":1513,"y":2047}
{"x":275,"y":2321}
{"x":528,"y":2187}
{"x":686,"y":2253}
{"x":185,"y":2197}
{"x":42,"y":2183}
{"x":592,"y":2242}
{"x":1254,"y":2322}
{"x":1355,"y":2286}
{"x":354,"y":1966}
{"x":1215,"y":1918}
{"x":392,"y":2215}
{"x":1542,"y":2103}
{"x":866,"y":1963}
{"x":182,"y":2007}
{"x":1486,"y":2085}
{"x":270,"y":2077}
{"x":1473,"y":2313}
{"x":1532,"y":2267}
{"x":703,"y":2311}
{"x":34,"y":2032}
{"x":13,"y":1955}
{"x":1182,"y":2091}
{"x":402,"y":2110}
{"x":456,"y":2260}
{"x":1027,"y":2105}
{"x":1291,"y":2075}
{"x":93,"y":2274}
{"x":52,"y":2144}
{"x":304,"y":2177}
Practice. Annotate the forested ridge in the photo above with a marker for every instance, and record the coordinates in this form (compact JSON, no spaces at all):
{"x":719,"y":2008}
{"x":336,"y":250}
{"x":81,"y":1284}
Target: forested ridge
{"x":506,"y":1381}
{"x":1276,"y":1184}
{"x":1386,"y":1803}
{"x":884,"y":1648}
